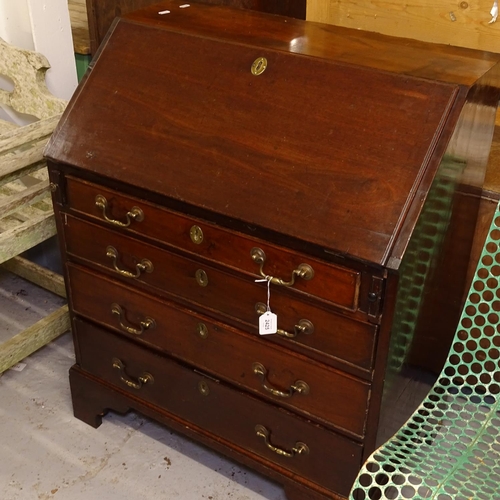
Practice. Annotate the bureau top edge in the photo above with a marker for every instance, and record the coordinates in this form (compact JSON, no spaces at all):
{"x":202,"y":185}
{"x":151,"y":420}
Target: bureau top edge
{"x":415,"y":58}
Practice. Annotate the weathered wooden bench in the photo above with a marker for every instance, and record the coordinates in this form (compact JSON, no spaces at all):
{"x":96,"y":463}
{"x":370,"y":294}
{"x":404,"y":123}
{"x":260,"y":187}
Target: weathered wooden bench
{"x":26,"y":216}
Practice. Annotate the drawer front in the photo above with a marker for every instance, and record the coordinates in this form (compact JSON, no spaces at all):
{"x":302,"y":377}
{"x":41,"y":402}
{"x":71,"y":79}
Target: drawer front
{"x":239,"y":419}
{"x":331,"y":283}
{"x":338,"y":336}
{"x":319,"y":392}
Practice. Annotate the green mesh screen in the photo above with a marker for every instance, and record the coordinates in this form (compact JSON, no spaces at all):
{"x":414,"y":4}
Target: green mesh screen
{"x":419,"y":261}
{"x":450,"y":448}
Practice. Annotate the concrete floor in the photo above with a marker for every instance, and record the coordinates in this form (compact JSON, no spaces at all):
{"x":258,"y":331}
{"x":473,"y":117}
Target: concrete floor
{"x":48,"y":454}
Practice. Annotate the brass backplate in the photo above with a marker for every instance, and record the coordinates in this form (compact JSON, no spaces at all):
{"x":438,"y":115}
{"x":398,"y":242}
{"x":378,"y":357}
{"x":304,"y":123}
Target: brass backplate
{"x":201,"y":277}
{"x":259,"y":66}
{"x":203,"y":388}
{"x":196,"y":234}
{"x":202,"y":330}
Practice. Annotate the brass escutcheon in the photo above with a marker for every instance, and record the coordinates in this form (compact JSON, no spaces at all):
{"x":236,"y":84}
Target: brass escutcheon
{"x":196,"y":234}
{"x":202,"y":330}
{"x":203,"y":388}
{"x":201,"y":277}
{"x":259,"y":66}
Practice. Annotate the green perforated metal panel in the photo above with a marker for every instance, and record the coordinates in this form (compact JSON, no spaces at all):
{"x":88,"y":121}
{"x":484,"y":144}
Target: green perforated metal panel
{"x":450,"y":448}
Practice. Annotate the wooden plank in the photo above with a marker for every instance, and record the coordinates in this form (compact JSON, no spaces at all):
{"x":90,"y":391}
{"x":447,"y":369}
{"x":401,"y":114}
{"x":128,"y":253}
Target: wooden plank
{"x":22,"y":172}
{"x":36,"y":274}
{"x":26,"y":235}
{"x":19,"y":136}
{"x":79,"y":26}
{"x":28,"y":341}
{"x":27,"y":214}
{"x":31,"y":195}
{"x":461,"y":23}
{"x":78,"y":13}
{"x":16,"y":160}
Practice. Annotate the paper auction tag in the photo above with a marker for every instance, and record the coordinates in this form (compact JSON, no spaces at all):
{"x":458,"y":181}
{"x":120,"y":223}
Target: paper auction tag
{"x":268,"y":323}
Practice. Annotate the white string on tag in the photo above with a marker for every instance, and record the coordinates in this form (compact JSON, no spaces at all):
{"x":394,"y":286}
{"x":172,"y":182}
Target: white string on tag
{"x":268,"y":279}
{"x":268,"y":322}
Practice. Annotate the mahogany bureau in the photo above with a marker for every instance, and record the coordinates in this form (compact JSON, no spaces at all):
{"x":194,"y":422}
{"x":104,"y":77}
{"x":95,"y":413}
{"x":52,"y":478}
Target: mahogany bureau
{"x":213,"y":155}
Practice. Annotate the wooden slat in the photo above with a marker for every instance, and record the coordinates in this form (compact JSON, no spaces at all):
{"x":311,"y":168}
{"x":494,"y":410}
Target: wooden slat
{"x":27,"y":214}
{"x":28,"y":341}
{"x":22,"y":172}
{"x":33,"y":212}
{"x":36,"y":274}
{"x":34,"y":131}
{"x":461,"y":23}
{"x":11,"y":204}
{"x":26,"y":235}
{"x":17,"y":160}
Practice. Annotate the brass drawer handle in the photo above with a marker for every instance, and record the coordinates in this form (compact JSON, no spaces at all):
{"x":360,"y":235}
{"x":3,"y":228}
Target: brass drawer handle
{"x":145,"y":378}
{"x":146,"y":324}
{"x":302,"y":326}
{"x":304,"y":271}
{"x":299,"y":386}
{"x":145,"y":266}
{"x":135,"y":213}
{"x":299,"y":448}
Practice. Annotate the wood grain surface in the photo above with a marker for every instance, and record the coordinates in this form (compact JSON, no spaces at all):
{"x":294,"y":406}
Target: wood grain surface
{"x":459,"y":23}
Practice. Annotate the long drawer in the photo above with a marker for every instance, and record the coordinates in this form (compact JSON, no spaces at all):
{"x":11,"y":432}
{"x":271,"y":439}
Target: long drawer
{"x":236,"y":297}
{"x":291,"y":380}
{"x":333,"y":283}
{"x":268,"y":432}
